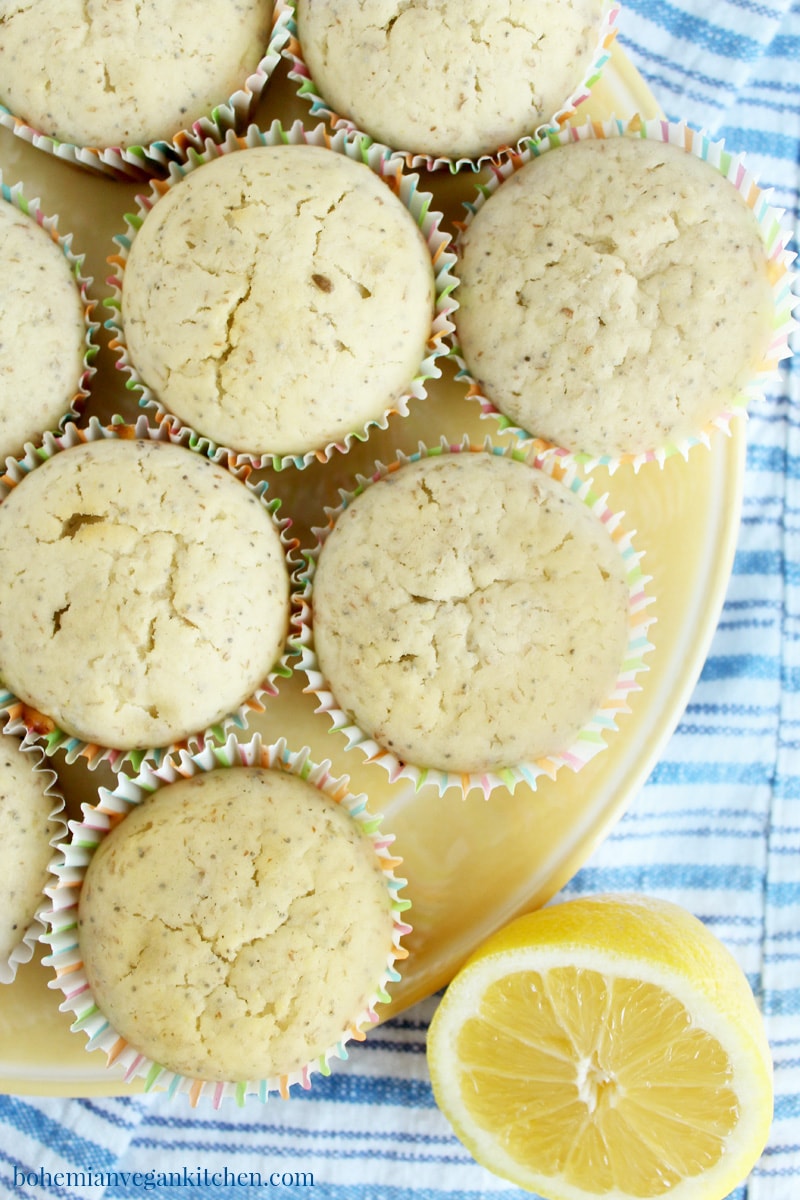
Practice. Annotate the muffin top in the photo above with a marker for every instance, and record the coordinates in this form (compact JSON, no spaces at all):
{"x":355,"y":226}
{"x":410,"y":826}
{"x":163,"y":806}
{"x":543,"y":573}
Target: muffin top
{"x":44,"y":331}
{"x":126,"y":74}
{"x":278,"y":361}
{"x":454,"y":80}
{"x":614,"y":296}
{"x":25,"y":849}
{"x":144,"y":592}
{"x":235,"y":925}
{"x":469,"y":612}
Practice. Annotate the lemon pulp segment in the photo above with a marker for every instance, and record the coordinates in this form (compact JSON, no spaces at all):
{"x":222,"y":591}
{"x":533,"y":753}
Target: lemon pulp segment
{"x":605,"y":1081}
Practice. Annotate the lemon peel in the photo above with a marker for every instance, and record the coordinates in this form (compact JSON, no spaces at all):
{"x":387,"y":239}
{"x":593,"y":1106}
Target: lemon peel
{"x":608,"y":1046}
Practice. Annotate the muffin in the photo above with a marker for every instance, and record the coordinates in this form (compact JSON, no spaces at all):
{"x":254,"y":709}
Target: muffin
{"x":46,"y":347}
{"x":29,"y":804}
{"x":616,"y":296}
{"x":467,"y":612}
{"x":457,"y":82}
{"x":238,"y":925}
{"x":130,"y":79}
{"x":277,"y":300}
{"x":145,"y":593}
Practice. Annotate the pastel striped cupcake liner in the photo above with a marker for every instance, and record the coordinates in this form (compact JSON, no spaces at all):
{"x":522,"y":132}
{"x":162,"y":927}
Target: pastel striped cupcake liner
{"x":419,"y":204}
{"x":14,"y":195}
{"x":591,"y":739}
{"x":142,"y":162}
{"x":27,"y":722}
{"x":307,"y":90}
{"x":30,"y":936}
{"x":774,"y":236}
{"x":69,"y":870}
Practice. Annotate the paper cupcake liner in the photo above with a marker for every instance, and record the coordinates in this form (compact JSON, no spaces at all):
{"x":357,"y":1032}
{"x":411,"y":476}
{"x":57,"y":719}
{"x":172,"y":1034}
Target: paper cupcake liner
{"x":590,"y":739}
{"x":14,"y":195}
{"x":64,"y":894}
{"x":417,"y":202}
{"x":143,"y":162}
{"x":23,"y":952}
{"x":34,"y":726}
{"x":307,"y":90}
{"x":774,"y":236}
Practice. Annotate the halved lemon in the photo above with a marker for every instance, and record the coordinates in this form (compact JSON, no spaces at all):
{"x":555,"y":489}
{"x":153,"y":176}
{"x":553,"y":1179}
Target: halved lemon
{"x":608,"y":1046}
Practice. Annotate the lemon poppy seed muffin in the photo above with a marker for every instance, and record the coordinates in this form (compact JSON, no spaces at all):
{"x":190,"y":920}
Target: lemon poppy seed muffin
{"x":44,"y":331}
{"x":25,"y":849}
{"x":136,"y":74}
{"x":469,"y":612}
{"x":278,"y":298}
{"x":614,"y":296}
{"x":458,"y":80}
{"x":145,"y":592}
{"x":235,"y":924}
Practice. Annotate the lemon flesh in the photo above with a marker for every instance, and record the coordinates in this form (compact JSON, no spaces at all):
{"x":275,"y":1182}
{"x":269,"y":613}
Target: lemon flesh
{"x":605,"y":1047}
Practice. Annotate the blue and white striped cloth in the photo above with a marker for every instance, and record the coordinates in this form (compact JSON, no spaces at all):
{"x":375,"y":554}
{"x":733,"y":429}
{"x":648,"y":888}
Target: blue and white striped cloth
{"x":716,"y":828}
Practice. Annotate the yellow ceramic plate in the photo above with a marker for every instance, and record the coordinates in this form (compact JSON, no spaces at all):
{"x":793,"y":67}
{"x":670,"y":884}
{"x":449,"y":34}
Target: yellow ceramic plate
{"x":471,"y":864}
